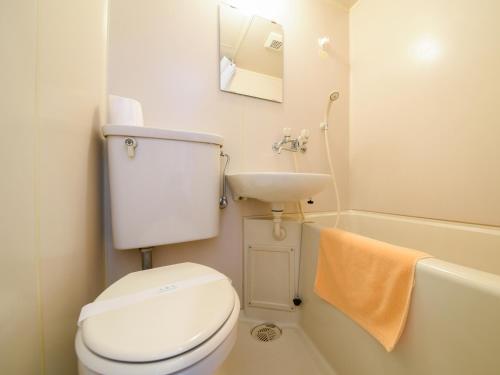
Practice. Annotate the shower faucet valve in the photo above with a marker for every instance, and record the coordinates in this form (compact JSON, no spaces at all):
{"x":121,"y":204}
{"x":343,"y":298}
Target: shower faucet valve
{"x":288,"y":143}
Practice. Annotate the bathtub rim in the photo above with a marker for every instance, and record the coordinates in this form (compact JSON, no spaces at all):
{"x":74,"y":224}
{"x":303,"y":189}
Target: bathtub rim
{"x":474,"y":227}
{"x":486,"y":282}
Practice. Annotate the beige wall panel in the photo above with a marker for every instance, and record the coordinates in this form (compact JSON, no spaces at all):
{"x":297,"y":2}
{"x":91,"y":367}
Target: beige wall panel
{"x":19,"y":313}
{"x":72,"y":37}
{"x":425,"y":113}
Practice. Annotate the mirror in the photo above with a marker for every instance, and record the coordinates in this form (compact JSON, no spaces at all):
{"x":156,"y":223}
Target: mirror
{"x":250,"y":54}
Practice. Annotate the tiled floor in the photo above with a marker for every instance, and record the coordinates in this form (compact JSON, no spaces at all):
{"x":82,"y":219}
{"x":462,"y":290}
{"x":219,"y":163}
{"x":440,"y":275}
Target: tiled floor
{"x":289,"y":355}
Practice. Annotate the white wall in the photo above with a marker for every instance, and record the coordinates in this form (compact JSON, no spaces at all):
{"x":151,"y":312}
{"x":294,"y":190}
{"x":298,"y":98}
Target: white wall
{"x":425,"y":113}
{"x":20,"y":349}
{"x":165,"y":54}
{"x":52,"y":86}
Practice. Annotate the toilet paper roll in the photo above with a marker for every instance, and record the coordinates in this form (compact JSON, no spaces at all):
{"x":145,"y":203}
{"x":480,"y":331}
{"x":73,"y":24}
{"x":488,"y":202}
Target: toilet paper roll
{"x":124,"y":111}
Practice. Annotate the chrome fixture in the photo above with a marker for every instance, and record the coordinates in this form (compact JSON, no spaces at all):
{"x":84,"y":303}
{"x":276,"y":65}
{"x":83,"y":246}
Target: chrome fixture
{"x":288,"y":143}
{"x":223,"y":198}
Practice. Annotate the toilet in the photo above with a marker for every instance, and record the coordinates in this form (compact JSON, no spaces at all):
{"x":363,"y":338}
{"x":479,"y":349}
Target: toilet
{"x":179,"y":319}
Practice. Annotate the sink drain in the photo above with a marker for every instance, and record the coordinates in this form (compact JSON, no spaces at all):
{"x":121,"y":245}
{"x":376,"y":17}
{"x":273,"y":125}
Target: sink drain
{"x":266,"y":332}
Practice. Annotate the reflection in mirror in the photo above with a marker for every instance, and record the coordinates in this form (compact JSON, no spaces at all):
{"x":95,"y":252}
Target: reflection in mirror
{"x":251,"y":54}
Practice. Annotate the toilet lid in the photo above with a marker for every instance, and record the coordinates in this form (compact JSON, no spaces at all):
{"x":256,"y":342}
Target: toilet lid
{"x":162,"y":326}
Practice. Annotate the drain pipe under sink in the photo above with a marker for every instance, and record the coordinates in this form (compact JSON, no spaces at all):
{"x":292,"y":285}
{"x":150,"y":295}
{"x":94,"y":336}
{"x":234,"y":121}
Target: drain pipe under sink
{"x":279,"y":233}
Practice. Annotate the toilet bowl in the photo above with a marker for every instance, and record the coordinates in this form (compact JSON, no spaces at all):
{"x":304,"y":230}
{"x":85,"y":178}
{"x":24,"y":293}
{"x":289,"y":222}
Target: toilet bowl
{"x":178,"y":319}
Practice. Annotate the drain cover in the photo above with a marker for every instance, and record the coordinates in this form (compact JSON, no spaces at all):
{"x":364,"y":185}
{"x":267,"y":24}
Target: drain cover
{"x":266,"y":332}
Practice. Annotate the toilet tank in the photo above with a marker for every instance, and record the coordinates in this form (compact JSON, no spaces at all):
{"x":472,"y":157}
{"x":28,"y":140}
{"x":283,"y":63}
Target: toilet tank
{"x":164,"y":185}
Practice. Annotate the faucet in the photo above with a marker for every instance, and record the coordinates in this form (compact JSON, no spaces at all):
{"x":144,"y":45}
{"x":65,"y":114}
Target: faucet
{"x":288,"y":143}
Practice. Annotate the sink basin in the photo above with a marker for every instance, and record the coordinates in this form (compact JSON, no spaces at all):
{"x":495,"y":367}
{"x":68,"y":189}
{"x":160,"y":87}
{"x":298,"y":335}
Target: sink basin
{"x":276,"y":187}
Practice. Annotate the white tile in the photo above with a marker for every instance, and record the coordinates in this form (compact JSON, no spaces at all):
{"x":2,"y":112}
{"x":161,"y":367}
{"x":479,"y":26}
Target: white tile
{"x":291,"y":354}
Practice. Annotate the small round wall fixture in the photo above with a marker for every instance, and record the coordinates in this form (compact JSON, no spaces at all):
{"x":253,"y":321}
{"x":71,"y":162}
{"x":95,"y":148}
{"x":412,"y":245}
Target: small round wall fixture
{"x":324,"y":42}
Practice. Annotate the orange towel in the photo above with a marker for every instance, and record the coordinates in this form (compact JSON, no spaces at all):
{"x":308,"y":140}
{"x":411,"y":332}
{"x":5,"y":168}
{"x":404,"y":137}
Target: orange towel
{"x":369,"y":281}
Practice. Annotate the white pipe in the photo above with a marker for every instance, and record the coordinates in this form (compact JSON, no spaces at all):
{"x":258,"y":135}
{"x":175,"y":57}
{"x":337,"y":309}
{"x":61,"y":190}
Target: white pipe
{"x":279,"y":233}
{"x":299,"y":203}
{"x":324,"y":126}
{"x":332,"y":174}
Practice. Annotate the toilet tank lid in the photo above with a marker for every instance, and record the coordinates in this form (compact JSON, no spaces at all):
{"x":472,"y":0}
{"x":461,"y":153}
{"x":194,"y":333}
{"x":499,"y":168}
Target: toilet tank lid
{"x":176,"y":135}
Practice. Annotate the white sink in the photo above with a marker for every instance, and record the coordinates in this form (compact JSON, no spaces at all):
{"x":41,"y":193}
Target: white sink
{"x":276,"y":187}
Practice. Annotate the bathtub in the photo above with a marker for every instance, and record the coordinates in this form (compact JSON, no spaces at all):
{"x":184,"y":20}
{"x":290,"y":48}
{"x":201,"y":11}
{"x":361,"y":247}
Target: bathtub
{"x":453,"y":325}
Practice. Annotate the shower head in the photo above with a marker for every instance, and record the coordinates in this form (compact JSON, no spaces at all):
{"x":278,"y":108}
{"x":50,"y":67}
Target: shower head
{"x":334,"y":95}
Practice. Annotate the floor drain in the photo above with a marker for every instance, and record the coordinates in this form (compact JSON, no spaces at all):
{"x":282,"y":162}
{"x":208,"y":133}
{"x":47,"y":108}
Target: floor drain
{"x":266,"y":332}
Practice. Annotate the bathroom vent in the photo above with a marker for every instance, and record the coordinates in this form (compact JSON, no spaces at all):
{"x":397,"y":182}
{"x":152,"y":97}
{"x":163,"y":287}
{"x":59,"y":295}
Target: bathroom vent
{"x":274,"y":42}
{"x":266,"y":332}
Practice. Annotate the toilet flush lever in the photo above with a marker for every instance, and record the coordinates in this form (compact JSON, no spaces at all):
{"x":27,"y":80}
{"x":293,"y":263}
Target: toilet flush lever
{"x":131,"y":144}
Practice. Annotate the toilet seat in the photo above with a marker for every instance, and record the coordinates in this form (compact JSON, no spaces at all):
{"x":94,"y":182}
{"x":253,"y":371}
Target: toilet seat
{"x":164,"y":334}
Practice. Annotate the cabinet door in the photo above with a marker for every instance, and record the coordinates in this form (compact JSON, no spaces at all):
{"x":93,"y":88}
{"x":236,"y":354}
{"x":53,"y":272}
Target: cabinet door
{"x":271,"y":277}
